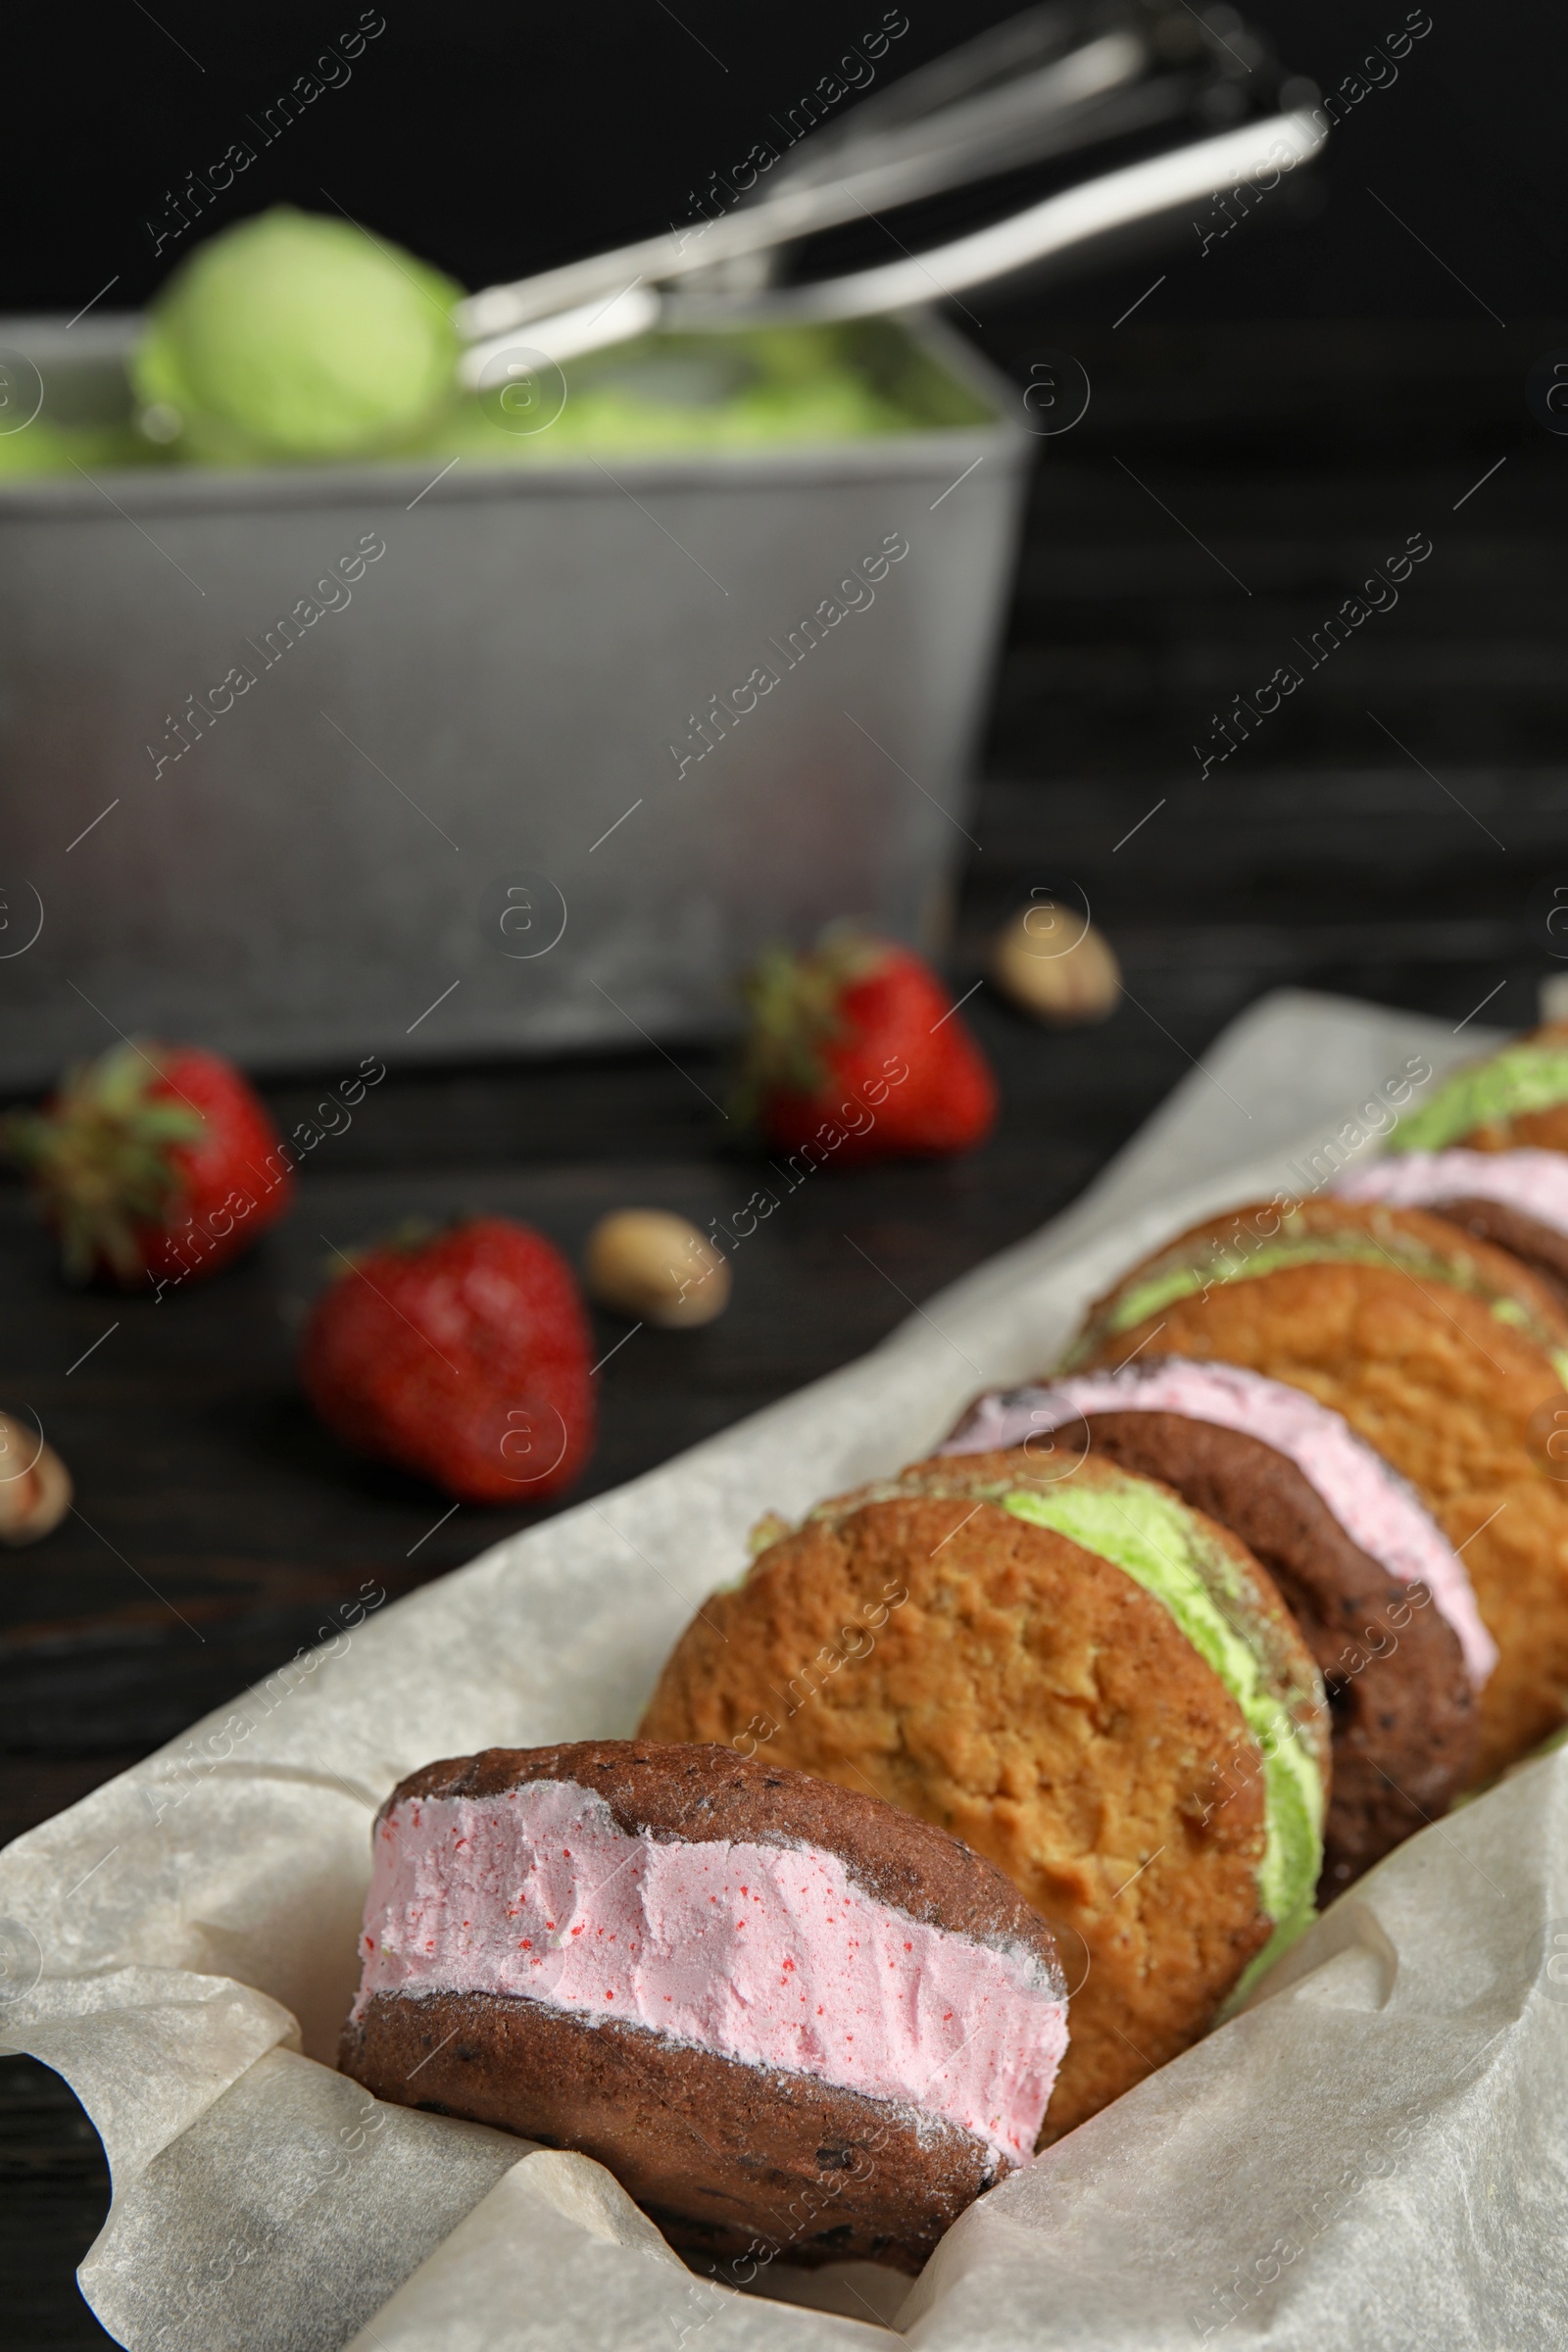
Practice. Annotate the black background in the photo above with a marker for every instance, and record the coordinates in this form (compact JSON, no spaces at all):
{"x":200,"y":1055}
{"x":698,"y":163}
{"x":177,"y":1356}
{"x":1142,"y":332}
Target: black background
{"x":1303,"y":397}
{"x":496,"y":140}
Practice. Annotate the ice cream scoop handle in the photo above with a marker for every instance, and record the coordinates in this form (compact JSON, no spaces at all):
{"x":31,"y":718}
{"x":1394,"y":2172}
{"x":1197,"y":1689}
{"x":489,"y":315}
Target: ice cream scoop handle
{"x":1259,"y":154}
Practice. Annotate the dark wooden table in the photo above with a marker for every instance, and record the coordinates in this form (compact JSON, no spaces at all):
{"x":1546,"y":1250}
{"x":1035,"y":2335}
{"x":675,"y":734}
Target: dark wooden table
{"x":1323,"y":854}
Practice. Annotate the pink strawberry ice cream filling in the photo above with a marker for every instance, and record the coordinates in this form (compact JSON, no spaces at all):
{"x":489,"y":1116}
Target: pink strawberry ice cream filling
{"x":768,"y":1954}
{"x":1368,"y":1497}
{"x":1535,"y":1183}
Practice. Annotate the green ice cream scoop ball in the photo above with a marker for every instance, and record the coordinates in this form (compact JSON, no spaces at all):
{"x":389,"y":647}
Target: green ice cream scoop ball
{"x":290,"y":337}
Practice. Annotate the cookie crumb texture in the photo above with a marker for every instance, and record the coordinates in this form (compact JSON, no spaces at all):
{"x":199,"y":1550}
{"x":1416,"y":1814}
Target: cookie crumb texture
{"x":1455,"y":1396}
{"x":993,"y":1677}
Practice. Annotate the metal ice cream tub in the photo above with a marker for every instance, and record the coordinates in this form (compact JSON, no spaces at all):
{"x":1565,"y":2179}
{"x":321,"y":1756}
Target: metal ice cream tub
{"x":308,"y":764}
{"x":473,"y":753}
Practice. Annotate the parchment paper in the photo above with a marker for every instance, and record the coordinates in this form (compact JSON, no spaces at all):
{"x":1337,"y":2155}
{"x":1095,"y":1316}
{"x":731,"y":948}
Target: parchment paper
{"x":1371,"y":2156}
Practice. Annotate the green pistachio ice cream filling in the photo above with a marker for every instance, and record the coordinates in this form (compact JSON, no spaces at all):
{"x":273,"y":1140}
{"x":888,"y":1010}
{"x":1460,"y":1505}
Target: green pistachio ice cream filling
{"x":291,"y":338}
{"x":1519,"y":1079}
{"x":1213,"y":1262}
{"x":1156,"y":1540}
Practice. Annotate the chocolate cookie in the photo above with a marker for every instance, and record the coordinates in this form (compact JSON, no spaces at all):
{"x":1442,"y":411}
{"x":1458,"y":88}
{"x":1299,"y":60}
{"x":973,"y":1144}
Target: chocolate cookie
{"x":1087,"y":1681}
{"x":1442,"y":1353}
{"x":792,"y":2021}
{"x":1292,"y":1480}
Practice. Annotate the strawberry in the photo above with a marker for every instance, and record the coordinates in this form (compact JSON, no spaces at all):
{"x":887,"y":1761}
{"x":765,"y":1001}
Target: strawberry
{"x":854,"y":1049}
{"x":461,"y":1354}
{"x":155,"y":1162}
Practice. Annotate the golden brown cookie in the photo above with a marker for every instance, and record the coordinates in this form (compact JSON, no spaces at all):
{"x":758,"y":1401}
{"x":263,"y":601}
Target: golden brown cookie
{"x":925,"y":1643}
{"x":1400,"y":1699}
{"x":1438,"y":1351}
{"x":1380,"y":1597}
{"x":1545,"y":1130}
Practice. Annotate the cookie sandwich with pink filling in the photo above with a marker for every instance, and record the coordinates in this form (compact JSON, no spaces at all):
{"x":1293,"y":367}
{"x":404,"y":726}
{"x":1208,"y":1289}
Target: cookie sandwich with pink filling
{"x":794,"y":2022}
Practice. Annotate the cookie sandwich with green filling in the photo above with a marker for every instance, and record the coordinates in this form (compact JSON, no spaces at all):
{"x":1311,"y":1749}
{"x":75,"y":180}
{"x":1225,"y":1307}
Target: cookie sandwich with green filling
{"x":1518,"y":1097}
{"x":1442,"y":1352}
{"x":1380,"y":1596}
{"x":1089,"y":1682}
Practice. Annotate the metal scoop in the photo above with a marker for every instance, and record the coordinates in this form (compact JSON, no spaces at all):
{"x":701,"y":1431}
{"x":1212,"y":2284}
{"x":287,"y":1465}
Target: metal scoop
{"x":1058,"y":81}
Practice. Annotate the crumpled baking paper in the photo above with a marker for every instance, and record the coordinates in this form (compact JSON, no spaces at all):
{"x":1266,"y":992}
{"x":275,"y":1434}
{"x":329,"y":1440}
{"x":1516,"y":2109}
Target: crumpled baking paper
{"x":1370,"y":2156}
